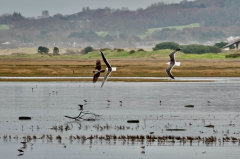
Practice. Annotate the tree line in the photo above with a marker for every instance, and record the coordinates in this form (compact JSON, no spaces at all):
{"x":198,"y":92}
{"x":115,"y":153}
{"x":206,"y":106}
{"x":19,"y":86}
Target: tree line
{"x":218,"y":19}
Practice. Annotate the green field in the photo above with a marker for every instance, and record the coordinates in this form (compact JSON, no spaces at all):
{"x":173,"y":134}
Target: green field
{"x":103,"y":34}
{"x":4,"y":27}
{"x":153,"y":55}
{"x":114,"y":54}
{"x":150,"y":31}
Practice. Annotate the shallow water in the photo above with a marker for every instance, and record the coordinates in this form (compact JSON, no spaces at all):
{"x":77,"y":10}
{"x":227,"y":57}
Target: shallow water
{"x":140,"y":101}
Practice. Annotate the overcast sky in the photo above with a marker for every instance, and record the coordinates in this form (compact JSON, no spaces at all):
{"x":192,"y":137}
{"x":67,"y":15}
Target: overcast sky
{"x":29,"y":8}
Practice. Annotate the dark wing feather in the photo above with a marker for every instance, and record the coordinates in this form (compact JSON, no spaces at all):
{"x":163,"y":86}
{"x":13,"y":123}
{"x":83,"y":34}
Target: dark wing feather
{"x":95,"y":77}
{"x":98,"y":65}
{"x":168,"y":70}
{"x":105,"y":60}
{"x":106,"y":76}
{"x":172,"y":55}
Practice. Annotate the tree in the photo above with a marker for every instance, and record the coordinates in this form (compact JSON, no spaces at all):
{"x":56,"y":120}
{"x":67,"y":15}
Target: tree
{"x":45,"y":14}
{"x":166,"y":45}
{"x":222,"y":44}
{"x":87,"y":49}
{"x":55,"y":51}
{"x":199,"y":49}
{"x":42,"y":49}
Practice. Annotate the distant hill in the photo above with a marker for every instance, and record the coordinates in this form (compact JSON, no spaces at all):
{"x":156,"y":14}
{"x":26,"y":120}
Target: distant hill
{"x":218,"y":20}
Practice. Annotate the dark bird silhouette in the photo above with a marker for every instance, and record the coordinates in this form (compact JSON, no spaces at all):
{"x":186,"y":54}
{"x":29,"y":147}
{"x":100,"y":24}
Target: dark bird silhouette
{"x":208,"y":102}
{"x":120,"y":101}
{"x":21,"y":151}
{"x":108,"y":101}
{"x":85,"y":100}
{"x":97,"y":71}
{"x":109,"y":68}
{"x":80,"y":106}
{"x":172,"y":63}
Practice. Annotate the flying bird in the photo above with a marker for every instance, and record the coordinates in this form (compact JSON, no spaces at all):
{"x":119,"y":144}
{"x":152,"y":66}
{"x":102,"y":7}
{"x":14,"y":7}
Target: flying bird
{"x":97,"y":71}
{"x":172,"y":63}
{"x":109,"y":68}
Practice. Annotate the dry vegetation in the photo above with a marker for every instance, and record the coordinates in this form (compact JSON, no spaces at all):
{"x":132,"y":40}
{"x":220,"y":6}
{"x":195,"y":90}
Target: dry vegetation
{"x":27,"y":67}
{"x":33,"y":50}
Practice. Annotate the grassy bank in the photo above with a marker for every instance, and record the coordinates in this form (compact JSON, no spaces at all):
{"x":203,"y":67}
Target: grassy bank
{"x":138,"y":64}
{"x":31,"y":67}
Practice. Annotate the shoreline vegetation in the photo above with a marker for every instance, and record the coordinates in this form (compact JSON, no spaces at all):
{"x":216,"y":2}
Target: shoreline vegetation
{"x":138,"y":64}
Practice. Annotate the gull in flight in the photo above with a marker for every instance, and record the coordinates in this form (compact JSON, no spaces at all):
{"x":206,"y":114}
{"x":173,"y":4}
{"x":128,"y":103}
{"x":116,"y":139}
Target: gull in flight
{"x":97,"y":71}
{"x":172,"y":63}
{"x":109,"y":68}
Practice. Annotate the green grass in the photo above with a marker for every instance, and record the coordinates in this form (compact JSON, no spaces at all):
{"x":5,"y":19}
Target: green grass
{"x":201,"y":56}
{"x":153,"y":55}
{"x":4,"y":27}
{"x":103,"y":34}
{"x":150,"y":31}
{"x":114,"y":54}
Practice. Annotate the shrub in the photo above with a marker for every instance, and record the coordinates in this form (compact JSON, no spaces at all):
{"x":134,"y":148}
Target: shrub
{"x":214,"y":49}
{"x":166,"y":45}
{"x":42,"y":49}
{"x":104,"y":49}
{"x":141,"y":50}
{"x":199,"y":49}
{"x":87,"y":49}
{"x":132,"y":51}
{"x":119,"y":50}
{"x":55,"y":51}
{"x":232,"y":56}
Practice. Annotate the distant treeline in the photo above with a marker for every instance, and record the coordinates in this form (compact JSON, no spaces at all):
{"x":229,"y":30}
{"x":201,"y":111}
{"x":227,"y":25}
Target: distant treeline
{"x":192,"y":48}
{"x":218,"y":19}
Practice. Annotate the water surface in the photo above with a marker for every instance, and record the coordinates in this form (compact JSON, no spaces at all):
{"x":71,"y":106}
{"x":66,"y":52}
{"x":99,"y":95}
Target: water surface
{"x":139,"y":101}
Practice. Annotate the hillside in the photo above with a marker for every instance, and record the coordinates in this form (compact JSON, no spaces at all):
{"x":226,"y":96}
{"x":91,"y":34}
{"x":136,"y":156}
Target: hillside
{"x":216,"y":20}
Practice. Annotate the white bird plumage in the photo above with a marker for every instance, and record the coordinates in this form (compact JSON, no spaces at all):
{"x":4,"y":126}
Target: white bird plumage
{"x":172,"y":63}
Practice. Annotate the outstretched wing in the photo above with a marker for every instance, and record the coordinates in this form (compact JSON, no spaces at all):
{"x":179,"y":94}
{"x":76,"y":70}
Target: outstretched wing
{"x":98,"y":65}
{"x":95,"y":77}
{"x":172,"y":55}
{"x":105,"y":60}
{"x":168,"y":70}
{"x":97,"y":71}
{"x":106,"y":76}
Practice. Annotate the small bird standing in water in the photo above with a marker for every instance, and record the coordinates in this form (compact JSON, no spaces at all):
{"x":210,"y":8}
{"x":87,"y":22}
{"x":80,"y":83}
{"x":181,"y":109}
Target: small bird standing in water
{"x":20,"y":151}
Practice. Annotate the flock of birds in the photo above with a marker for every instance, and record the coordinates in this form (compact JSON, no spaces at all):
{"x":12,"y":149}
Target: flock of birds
{"x":109,"y":68}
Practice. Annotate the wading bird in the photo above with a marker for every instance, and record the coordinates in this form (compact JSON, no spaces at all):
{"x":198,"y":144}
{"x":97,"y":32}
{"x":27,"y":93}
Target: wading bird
{"x":172,"y":63}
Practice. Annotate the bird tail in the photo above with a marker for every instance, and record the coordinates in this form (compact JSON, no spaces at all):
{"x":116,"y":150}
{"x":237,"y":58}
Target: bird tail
{"x":177,"y":63}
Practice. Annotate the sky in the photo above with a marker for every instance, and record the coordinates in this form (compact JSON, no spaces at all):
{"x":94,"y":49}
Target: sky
{"x":29,"y":8}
